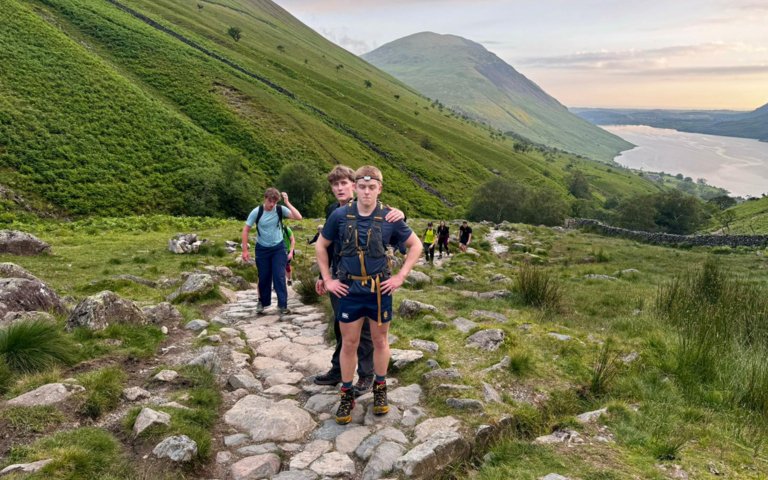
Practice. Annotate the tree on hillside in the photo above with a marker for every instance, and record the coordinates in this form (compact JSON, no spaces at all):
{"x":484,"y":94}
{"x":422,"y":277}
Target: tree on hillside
{"x":200,"y":6}
{"x":304,"y":188}
{"x":578,"y":185}
{"x":339,"y":67}
{"x":281,"y":49}
{"x":722,"y":201}
{"x":671,"y":212}
{"x":235,"y":33}
{"x":498,"y":200}
{"x":367,"y":84}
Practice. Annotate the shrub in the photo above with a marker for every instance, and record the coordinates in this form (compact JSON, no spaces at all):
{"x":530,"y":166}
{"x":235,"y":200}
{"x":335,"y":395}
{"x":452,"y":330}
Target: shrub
{"x":304,"y":188}
{"x":236,"y":33}
{"x":604,"y":370}
{"x":103,"y":388}
{"x":498,"y":200}
{"x":538,"y":288}
{"x":35,"y":345}
{"x":305,"y":284}
{"x":521,"y":363}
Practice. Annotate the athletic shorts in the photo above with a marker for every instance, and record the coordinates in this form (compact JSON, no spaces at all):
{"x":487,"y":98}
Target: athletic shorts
{"x":355,"y":306}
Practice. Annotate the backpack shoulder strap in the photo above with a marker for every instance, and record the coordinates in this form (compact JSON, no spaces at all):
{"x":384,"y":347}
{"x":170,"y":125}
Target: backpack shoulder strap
{"x":260,"y":208}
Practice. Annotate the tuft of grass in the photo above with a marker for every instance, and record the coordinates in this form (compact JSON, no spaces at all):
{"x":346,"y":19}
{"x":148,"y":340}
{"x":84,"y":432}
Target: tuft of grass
{"x":521,"y":363}
{"x":538,"y":288}
{"x":304,"y":282}
{"x":36,"y":419}
{"x":82,"y":453}
{"x":30,"y":381}
{"x":102,"y":390}
{"x":137,"y":341}
{"x":604,"y":370}
{"x":35,"y":345}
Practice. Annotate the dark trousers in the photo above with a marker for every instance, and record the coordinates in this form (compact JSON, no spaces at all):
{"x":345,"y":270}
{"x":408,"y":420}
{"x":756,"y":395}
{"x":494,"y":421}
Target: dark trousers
{"x":443,"y":242}
{"x":429,"y":251}
{"x":271,"y":262}
{"x":364,"y":349}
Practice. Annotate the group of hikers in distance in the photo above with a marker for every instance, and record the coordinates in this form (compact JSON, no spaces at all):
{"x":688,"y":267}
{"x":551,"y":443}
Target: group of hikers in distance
{"x":355,"y":271}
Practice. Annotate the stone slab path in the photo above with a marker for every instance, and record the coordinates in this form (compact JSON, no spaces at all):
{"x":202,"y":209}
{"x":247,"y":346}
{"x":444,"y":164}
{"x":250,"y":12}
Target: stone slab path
{"x":280,"y":424}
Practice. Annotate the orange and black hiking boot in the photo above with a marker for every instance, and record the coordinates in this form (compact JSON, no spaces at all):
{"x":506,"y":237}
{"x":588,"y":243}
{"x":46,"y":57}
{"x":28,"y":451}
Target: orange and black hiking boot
{"x":344,"y":413}
{"x":380,"y":404}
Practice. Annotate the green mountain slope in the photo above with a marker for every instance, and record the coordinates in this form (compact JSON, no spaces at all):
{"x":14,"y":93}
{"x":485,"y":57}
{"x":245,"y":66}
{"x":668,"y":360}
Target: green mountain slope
{"x":464,"y":75}
{"x":143,"y":106}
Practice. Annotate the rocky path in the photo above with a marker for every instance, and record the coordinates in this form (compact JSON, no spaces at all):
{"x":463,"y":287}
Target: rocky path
{"x":280,"y":424}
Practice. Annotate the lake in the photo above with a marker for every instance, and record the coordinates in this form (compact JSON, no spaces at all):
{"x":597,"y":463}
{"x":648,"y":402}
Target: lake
{"x":740,"y":165}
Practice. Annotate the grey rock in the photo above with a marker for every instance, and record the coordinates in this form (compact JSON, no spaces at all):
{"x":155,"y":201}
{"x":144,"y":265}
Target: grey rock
{"x":195,"y":286}
{"x":464,"y":325}
{"x":21,"y":243}
{"x":596,"y":276}
{"x":438,"y":325}
{"x":25,"y":467}
{"x":312,"y":451}
{"x":166,"y":375}
{"x":322,"y":402}
{"x":255,"y":467}
{"x":383,"y":460}
{"x":425,"y":345}
{"x":148,"y":417}
{"x":333,"y":464}
{"x":266,"y":420}
{"x":208,"y":360}
{"x":197,"y":325}
{"x":135,"y":393}
{"x":406,"y":396}
{"x":559,"y":336}
{"x":296,"y":475}
{"x":239,"y":283}
{"x":351,"y":438}
{"x":415,"y":278}
{"x":560,"y":436}
{"x":439,"y":451}
{"x":24,"y":295}
{"x":432,"y":364}
{"x":494,"y":295}
{"x":502,"y":365}
{"x":553,"y":476}
{"x":393,"y":417}
{"x":490,"y":394}
{"x":236,"y":439}
{"x":412,"y":415}
{"x":50,"y":394}
{"x":13,"y":317}
{"x":246,"y":380}
{"x":11,"y":270}
{"x":402,"y":358}
{"x":442,"y":373}
{"x":223,"y":457}
{"x":432,"y":426}
{"x":329,"y":430}
{"x":135,"y":279}
{"x":589,"y":417}
{"x":464,"y":403}
{"x":260,"y":449}
{"x":163,"y":314}
{"x":498,"y":317}
{"x":179,"y":448}
{"x":99,"y":311}
{"x":412,"y":308}
{"x":488,"y":340}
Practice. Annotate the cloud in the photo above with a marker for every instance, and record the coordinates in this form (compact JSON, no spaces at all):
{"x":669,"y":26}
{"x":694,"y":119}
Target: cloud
{"x":635,"y":59}
{"x":717,"y":71}
{"x":342,"y":38}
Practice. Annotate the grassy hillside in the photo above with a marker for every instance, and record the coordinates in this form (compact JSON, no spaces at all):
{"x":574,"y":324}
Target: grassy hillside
{"x":112,"y":108}
{"x":464,"y":75}
{"x":748,"y":218}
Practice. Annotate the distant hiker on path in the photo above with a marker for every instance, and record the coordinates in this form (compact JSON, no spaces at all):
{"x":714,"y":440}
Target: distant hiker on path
{"x":365,"y":283}
{"x":342,"y":182}
{"x":465,"y":236}
{"x":290,"y":247}
{"x":443,"y":235}
{"x":429,"y":239}
{"x":271,"y":257}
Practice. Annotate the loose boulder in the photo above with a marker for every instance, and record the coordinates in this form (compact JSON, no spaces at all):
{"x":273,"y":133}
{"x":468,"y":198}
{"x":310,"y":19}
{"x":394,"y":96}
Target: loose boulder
{"x":488,"y":340}
{"x":99,"y":311}
{"x":163,"y":314}
{"x":412,"y":308}
{"x":179,"y":448}
{"x":24,"y":295}
{"x":20,"y":243}
{"x":195,"y":286}
{"x":11,"y":270}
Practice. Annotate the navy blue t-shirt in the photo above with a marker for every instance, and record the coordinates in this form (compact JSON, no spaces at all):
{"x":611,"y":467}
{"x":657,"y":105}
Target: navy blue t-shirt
{"x":391,"y":234}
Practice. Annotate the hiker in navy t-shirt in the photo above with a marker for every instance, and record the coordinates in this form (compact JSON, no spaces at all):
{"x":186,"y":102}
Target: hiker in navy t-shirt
{"x":365,"y":283}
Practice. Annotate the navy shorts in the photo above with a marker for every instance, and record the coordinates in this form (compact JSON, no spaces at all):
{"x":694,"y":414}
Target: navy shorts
{"x":355,"y":306}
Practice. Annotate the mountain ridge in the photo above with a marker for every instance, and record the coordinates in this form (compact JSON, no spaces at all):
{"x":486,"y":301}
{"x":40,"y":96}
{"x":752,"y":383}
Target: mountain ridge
{"x":465,"y":75}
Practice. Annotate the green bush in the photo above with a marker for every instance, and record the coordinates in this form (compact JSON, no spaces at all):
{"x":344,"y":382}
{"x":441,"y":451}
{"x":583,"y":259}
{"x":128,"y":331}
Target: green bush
{"x":102,"y":390}
{"x":538,"y":288}
{"x":35,"y":345}
{"x":498,"y":200}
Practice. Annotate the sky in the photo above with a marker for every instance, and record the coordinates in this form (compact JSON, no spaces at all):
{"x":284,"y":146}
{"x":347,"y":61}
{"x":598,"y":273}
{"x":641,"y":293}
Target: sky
{"x":706,"y":54}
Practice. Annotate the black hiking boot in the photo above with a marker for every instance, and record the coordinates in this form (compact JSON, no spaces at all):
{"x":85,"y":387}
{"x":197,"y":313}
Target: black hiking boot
{"x":380,"y":404}
{"x":363,"y":386}
{"x":329,"y":378}
{"x":344,"y":413}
